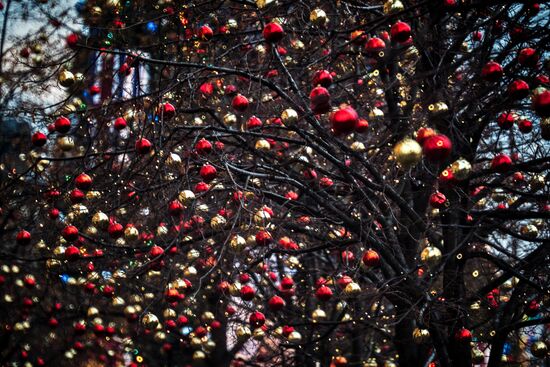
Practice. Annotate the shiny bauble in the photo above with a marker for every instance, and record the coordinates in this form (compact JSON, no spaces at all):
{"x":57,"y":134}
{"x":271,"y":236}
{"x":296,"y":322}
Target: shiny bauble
{"x":150,"y":321}
{"x":217,"y":222}
{"x":318,"y":17}
{"x":352,"y":290}
{"x":100,"y":220}
{"x":237,"y":243}
{"x":407,"y":152}
{"x":529,"y":230}
{"x":393,"y":6}
{"x":262,"y":144}
{"x":66,"y":78}
{"x":289,"y":116}
{"x":461,"y":169}
{"x":477,"y":356}
{"x":131,"y":233}
{"x":431,"y":256}
{"x":186,"y":197}
{"x":539,"y":349}
{"x":318,"y":315}
{"x":243,"y":333}
{"x":421,"y":336}
{"x":294,"y":337}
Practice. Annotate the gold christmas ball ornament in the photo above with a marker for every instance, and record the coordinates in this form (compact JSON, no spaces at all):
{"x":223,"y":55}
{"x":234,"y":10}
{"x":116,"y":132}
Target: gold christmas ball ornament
{"x":258,"y":334}
{"x":243,"y":333}
{"x":376,"y":114}
{"x":318,"y":314}
{"x":186,"y":197}
{"x":352,"y":289}
{"x":118,"y":302}
{"x":66,"y":78}
{"x":438,"y":108}
{"x":238,"y":243}
{"x":461,"y":169}
{"x":539,"y":349}
{"x":407,"y":152}
{"x":545,"y":128}
{"x":199,"y":355}
{"x":358,"y":146}
{"x":289,"y":116}
{"x":217,"y":222}
{"x":207,"y":317}
{"x":529,"y":230}
{"x":318,"y":17}
{"x":537,"y":182}
{"x":294,"y":337}
{"x":230,"y":119}
{"x":262,"y":144}
{"x":477,"y":356}
{"x":431,"y":256}
{"x":65,"y":143}
{"x":263,"y":3}
{"x":150,"y":321}
{"x":92,"y":312}
{"x":131,"y":233}
{"x":100,"y":220}
{"x":393,"y":6}
{"x":193,"y":255}
{"x":169,"y":313}
{"x":421,"y":336}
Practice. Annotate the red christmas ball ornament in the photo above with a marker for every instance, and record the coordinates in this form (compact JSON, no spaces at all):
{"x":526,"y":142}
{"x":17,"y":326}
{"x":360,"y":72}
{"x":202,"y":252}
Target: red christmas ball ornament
{"x":528,"y":57}
{"x":253,"y":123}
{"x":95,"y":89}
{"x":23,"y":237}
{"x":400,"y":32}
{"x":247,"y":293}
{"x":506,"y":120}
{"x":205,"y":32}
{"x":206,"y":89}
{"x":287,"y":283}
{"x":463,"y":335}
{"x":239,"y":103}
{"x":322,"y":78}
{"x":53,"y":213}
{"x":38,"y":139}
{"x":208,"y":172}
{"x":319,"y":96}
{"x":62,"y":125}
{"x":276,"y":303}
{"x":323,"y":293}
{"x":344,"y":121}
{"x":256,"y":319}
{"x":143,"y":146}
{"x":446,"y":177}
{"x":273,"y":32}
{"x":120,"y":123}
{"x":326,"y":182}
{"x":541,"y":103}
{"x":518,"y":89}
{"x":438,"y":200}
{"x":492,"y":71}
{"x":263,"y":238}
{"x":203,"y":147}
{"x":77,"y":196}
{"x":501,"y":163}
{"x":168,"y":110}
{"x":424,"y":133}
{"x":362,"y":126}
{"x":437,"y":148}
{"x":83,"y":181}
{"x":371,"y":258}
{"x":70,"y":233}
{"x":175,"y":208}
{"x":116,"y":230}
{"x":72,"y":253}
{"x":525,"y":126}
{"x":72,"y":40}
{"x":375,"y":45}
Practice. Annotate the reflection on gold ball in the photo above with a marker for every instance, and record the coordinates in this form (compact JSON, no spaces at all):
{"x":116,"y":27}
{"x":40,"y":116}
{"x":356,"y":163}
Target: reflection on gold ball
{"x":421,"y":336}
{"x":289,"y":116}
{"x":150,"y":321}
{"x":539,"y":349}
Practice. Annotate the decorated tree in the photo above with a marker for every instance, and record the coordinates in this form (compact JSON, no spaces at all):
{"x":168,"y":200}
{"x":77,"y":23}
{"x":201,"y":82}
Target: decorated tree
{"x":275,"y":183}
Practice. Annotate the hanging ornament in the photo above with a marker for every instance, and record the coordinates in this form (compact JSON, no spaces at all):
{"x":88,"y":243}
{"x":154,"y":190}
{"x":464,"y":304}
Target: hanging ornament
{"x":407,"y":152}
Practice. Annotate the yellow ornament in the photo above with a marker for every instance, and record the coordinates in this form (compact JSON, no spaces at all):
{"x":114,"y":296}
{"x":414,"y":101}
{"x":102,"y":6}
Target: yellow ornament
{"x":461,"y":169}
{"x":150,"y":321}
{"x":66,"y":78}
{"x":407,"y":152}
{"x":539,"y":349}
{"x":289,"y":116}
{"x":352,"y":289}
{"x":318,"y":17}
{"x":477,"y":356}
{"x":262,"y":144}
{"x":431,"y":256}
{"x":421,"y":336}
{"x":295,"y":337}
